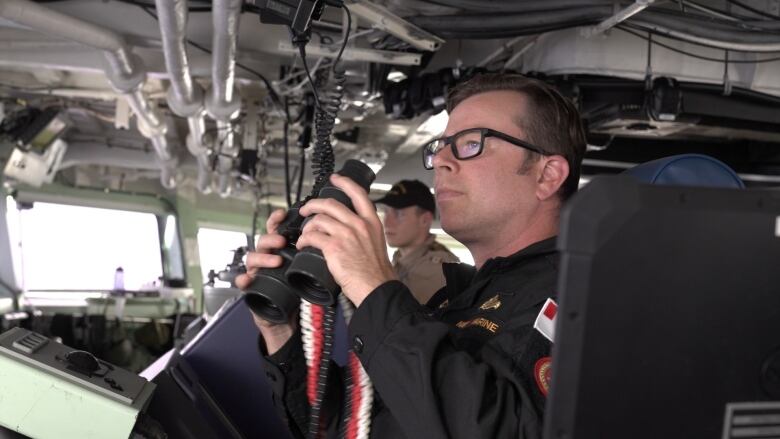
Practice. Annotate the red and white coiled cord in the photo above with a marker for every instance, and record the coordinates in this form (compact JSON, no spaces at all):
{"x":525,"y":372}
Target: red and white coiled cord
{"x":359,"y":392}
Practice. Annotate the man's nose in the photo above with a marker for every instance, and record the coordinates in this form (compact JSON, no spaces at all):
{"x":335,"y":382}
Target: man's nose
{"x":444,"y":159}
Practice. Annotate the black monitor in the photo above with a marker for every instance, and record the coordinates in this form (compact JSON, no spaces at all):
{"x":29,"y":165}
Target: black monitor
{"x":669,"y":314}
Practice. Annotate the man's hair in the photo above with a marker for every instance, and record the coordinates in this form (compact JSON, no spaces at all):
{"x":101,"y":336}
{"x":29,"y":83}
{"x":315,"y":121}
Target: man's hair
{"x":552,"y":121}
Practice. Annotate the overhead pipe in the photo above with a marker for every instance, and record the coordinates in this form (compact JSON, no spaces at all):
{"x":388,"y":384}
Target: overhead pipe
{"x":185,"y":96}
{"x":124,"y":69}
{"x":223,"y":102}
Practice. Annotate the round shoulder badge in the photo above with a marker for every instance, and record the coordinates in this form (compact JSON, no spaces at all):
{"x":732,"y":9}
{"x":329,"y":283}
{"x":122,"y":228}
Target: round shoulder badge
{"x":543,"y":374}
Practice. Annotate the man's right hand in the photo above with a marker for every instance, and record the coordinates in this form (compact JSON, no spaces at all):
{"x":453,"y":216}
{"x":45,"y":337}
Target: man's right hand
{"x":275,"y":334}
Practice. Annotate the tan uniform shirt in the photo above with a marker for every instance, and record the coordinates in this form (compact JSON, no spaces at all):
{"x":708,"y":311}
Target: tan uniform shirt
{"x":421,"y":269}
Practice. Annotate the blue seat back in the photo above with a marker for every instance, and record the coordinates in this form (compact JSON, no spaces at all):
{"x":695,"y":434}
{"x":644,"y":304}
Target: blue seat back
{"x":687,"y":170}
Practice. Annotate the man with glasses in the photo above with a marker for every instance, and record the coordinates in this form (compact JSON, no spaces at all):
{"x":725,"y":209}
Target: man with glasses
{"x":472,"y":364}
{"x":409,"y":209}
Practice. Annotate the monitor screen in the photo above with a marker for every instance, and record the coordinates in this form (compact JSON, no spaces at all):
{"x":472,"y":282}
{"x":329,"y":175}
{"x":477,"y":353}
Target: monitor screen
{"x":669,"y":318}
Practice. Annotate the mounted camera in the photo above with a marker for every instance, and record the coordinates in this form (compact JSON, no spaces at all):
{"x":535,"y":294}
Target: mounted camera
{"x":39,"y":151}
{"x":275,"y":293}
{"x":297,"y":14}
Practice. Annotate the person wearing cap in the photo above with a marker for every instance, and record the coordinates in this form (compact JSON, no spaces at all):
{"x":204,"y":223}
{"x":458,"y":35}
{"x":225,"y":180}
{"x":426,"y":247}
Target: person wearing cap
{"x":409,"y":209}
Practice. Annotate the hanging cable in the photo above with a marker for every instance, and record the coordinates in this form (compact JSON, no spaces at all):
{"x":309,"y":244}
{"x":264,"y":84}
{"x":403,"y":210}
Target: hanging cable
{"x":285,"y":139}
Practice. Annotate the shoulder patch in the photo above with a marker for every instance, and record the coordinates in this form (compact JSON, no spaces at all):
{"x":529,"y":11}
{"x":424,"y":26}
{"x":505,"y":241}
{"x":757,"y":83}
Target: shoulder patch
{"x":492,"y":303}
{"x":543,"y":374}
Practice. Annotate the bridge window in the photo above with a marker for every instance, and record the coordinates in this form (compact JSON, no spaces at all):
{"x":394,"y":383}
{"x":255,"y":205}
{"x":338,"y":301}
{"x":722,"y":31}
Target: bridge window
{"x":64,"y":247}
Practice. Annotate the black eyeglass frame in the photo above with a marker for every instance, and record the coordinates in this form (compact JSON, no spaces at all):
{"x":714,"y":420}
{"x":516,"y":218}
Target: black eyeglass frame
{"x":485,"y":133}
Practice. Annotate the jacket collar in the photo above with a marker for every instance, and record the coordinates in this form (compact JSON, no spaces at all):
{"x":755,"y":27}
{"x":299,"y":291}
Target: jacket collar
{"x":463,"y":277}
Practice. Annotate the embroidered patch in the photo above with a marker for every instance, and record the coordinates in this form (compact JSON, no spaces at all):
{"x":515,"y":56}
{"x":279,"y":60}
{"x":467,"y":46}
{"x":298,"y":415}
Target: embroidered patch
{"x":481,"y":322}
{"x":543,"y":374}
{"x":492,"y":303}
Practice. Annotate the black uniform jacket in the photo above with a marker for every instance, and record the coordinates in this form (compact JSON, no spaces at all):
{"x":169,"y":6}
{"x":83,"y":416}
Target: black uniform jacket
{"x":467,"y":365}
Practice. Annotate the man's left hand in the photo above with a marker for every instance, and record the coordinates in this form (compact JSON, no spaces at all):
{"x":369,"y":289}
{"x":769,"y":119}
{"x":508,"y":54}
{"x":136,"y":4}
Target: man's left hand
{"x":353,"y":243}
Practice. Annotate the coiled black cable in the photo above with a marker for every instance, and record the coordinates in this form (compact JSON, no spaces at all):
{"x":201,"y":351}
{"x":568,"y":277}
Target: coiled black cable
{"x":330,"y":82}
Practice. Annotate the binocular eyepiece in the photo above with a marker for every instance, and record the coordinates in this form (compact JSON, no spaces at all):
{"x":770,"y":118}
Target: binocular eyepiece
{"x":275,"y":293}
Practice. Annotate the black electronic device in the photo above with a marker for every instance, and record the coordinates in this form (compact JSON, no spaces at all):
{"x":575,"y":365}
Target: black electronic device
{"x":216,"y":386}
{"x":669,"y":317}
{"x":33,"y":129}
{"x":274,"y":294}
{"x":297,"y":14}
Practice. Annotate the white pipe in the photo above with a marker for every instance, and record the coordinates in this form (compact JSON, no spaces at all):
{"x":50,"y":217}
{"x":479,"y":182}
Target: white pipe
{"x":125,"y":70}
{"x":185,"y":96}
{"x":49,"y":22}
{"x":223,"y":102}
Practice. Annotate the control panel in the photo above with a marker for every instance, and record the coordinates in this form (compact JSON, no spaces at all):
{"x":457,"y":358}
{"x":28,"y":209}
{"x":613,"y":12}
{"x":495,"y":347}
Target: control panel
{"x":85,"y":395}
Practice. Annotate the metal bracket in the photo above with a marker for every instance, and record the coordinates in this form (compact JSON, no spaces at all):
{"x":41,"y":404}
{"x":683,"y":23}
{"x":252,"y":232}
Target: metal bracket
{"x":122,"y":115}
{"x":383,"y":19}
{"x":619,"y":17}
{"x":357,"y":54}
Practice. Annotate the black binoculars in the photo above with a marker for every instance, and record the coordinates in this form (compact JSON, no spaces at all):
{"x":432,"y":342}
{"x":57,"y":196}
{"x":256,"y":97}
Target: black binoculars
{"x":275,"y":293}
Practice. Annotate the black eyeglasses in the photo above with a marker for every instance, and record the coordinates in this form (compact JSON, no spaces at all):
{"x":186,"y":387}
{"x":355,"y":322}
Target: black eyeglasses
{"x":469,"y":143}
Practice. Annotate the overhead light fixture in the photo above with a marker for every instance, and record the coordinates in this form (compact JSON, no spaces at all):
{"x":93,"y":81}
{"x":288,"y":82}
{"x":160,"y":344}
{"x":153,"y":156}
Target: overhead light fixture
{"x":396,"y":76}
{"x":381,"y":187}
{"x":375,"y":158}
{"x":435,"y":125}
{"x":430,"y":128}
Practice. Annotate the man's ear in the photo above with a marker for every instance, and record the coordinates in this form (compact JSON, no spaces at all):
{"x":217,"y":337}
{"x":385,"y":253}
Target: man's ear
{"x":553,"y":173}
{"x":427,"y":218}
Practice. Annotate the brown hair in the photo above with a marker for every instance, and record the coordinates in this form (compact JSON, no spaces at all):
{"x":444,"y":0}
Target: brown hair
{"x":552,"y":122}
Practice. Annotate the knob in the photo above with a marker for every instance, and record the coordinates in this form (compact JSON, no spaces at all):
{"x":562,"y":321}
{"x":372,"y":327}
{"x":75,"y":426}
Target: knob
{"x":82,"y":361}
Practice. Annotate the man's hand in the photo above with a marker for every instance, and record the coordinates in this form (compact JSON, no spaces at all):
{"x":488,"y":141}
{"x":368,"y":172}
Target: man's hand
{"x":275,"y":334}
{"x":353,"y":243}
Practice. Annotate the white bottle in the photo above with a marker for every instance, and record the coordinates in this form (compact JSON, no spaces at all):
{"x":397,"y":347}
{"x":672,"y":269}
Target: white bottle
{"x":119,"y":279}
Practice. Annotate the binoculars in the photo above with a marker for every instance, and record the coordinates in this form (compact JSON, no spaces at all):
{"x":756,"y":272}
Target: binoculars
{"x":275,"y":293}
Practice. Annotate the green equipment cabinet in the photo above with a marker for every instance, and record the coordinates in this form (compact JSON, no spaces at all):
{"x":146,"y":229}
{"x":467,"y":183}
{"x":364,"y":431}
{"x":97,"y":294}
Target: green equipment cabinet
{"x":48,"y":390}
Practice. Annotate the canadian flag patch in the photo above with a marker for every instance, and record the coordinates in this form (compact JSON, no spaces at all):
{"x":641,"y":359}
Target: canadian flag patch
{"x":545,"y":321}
